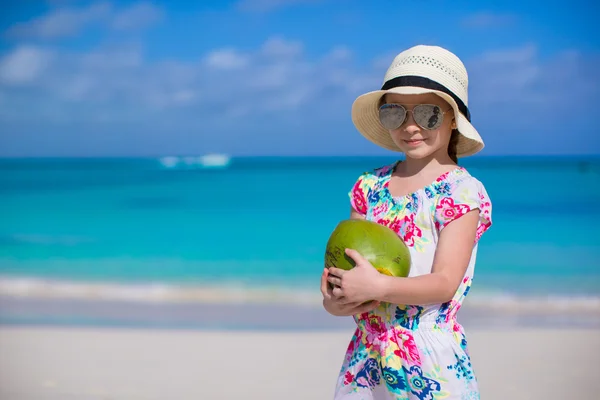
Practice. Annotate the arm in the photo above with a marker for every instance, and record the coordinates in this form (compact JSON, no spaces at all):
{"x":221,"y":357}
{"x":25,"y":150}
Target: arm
{"x":450,"y":263}
{"x":451,"y":260}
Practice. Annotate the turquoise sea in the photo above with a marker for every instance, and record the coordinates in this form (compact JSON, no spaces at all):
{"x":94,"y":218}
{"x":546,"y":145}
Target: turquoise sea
{"x":147,"y":231}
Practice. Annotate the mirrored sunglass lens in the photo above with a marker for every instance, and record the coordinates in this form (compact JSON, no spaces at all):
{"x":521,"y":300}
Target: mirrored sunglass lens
{"x":428,"y":116}
{"x":391,"y":116}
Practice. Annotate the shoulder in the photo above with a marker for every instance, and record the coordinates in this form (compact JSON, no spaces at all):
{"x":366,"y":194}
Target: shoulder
{"x":368,"y":179}
{"x":376,"y":173}
{"x":459,"y":193}
{"x":365,"y":184}
{"x":457,"y":183}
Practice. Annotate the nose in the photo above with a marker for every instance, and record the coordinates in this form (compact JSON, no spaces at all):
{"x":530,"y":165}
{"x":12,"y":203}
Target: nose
{"x":410,"y":126}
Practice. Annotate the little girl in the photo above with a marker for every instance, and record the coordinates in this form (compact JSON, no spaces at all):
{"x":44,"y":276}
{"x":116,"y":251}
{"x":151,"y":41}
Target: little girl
{"x":408,"y":343}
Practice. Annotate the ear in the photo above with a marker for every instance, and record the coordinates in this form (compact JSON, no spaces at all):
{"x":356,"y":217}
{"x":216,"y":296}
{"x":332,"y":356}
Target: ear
{"x":453,"y":124}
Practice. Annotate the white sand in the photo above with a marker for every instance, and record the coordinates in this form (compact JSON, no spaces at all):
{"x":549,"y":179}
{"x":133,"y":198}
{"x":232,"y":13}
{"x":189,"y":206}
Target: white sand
{"x":42,"y":363}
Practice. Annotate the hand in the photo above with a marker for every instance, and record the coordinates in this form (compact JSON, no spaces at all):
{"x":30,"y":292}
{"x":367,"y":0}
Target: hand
{"x":358,"y":285}
{"x":334,"y":306}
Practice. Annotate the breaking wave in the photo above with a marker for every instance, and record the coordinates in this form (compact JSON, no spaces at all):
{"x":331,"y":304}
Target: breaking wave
{"x":240,"y":293}
{"x":204,"y":161}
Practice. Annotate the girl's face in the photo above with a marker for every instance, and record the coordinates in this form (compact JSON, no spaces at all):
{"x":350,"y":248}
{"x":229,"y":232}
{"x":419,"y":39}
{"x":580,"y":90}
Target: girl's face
{"x":413,"y":140}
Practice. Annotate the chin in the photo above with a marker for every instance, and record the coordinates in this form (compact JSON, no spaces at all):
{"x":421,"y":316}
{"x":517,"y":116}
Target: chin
{"x":418,"y":153}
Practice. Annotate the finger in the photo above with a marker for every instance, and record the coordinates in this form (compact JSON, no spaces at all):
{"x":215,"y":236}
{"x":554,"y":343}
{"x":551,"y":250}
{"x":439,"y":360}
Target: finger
{"x":337,"y":272}
{"x":330,"y":290}
{"x":325,"y":290}
{"x":337,"y":292}
{"x":334,"y":280}
{"x":356,"y":256}
{"x":329,"y":285}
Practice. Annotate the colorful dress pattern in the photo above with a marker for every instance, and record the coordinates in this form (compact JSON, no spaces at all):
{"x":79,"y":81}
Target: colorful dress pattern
{"x":414,"y":351}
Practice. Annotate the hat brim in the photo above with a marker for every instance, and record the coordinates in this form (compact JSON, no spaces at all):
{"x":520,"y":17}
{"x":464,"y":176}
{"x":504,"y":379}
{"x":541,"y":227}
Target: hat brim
{"x":365,"y":116}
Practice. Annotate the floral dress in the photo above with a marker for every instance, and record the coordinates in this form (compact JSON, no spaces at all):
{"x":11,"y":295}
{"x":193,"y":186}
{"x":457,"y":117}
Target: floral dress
{"x":414,"y":351}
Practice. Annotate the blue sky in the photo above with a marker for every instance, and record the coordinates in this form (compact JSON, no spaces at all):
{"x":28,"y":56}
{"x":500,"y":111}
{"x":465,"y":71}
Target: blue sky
{"x":278,"y":77}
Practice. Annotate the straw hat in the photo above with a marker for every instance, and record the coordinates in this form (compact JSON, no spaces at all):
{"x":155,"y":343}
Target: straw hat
{"x":418,"y":70}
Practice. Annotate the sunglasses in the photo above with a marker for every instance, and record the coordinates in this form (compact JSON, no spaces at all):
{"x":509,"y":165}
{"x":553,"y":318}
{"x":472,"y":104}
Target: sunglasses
{"x":427,"y":116}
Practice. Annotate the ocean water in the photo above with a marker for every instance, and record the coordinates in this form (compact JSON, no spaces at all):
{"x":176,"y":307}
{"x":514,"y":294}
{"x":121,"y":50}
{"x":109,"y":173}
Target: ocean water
{"x":255,"y":230}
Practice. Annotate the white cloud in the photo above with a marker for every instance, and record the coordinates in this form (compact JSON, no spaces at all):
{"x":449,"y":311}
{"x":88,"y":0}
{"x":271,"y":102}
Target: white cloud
{"x":509,"y":56}
{"x":137,"y":16}
{"x":278,"y":85}
{"x":520,"y":96}
{"x":506,"y":75}
{"x":71,"y":21}
{"x":24,"y":65}
{"x":340,"y":55}
{"x":114,"y":58}
{"x":276,"y":76}
{"x":280,"y":48}
{"x":61,"y":22}
{"x":226,"y":59}
{"x":522,"y":77}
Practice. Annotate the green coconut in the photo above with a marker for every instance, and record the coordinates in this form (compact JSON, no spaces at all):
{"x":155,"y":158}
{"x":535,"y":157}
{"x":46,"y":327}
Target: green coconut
{"x":384,"y":249}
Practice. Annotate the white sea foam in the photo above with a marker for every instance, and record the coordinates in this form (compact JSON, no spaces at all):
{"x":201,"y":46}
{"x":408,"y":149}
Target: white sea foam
{"x":212,"y":160}
{"x":169,"y":162}
{"x":238,"y":293}
{"x":26,"y":287}
{"x":538,"y":304}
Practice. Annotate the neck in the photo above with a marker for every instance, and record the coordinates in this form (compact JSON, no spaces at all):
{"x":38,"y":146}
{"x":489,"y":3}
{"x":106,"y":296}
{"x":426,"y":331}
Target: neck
{"x":414,"y":166}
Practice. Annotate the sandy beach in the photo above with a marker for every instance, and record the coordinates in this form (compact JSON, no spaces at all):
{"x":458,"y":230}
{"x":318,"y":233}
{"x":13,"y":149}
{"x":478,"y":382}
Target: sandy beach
{"x":108,"y":363}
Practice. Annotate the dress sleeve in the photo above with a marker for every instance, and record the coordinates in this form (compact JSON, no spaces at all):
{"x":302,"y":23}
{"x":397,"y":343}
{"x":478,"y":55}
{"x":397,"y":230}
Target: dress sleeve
{"x":467,"y":195}
{"x":358,"y":194}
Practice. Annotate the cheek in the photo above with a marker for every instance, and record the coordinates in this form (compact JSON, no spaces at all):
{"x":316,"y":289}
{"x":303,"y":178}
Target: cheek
{"x":396,"y":136}
{"x":445,"y":137}
{"x":442,"y":136}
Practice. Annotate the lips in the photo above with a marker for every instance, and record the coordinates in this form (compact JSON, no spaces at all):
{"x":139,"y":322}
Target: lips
{"x":413,"y":142}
